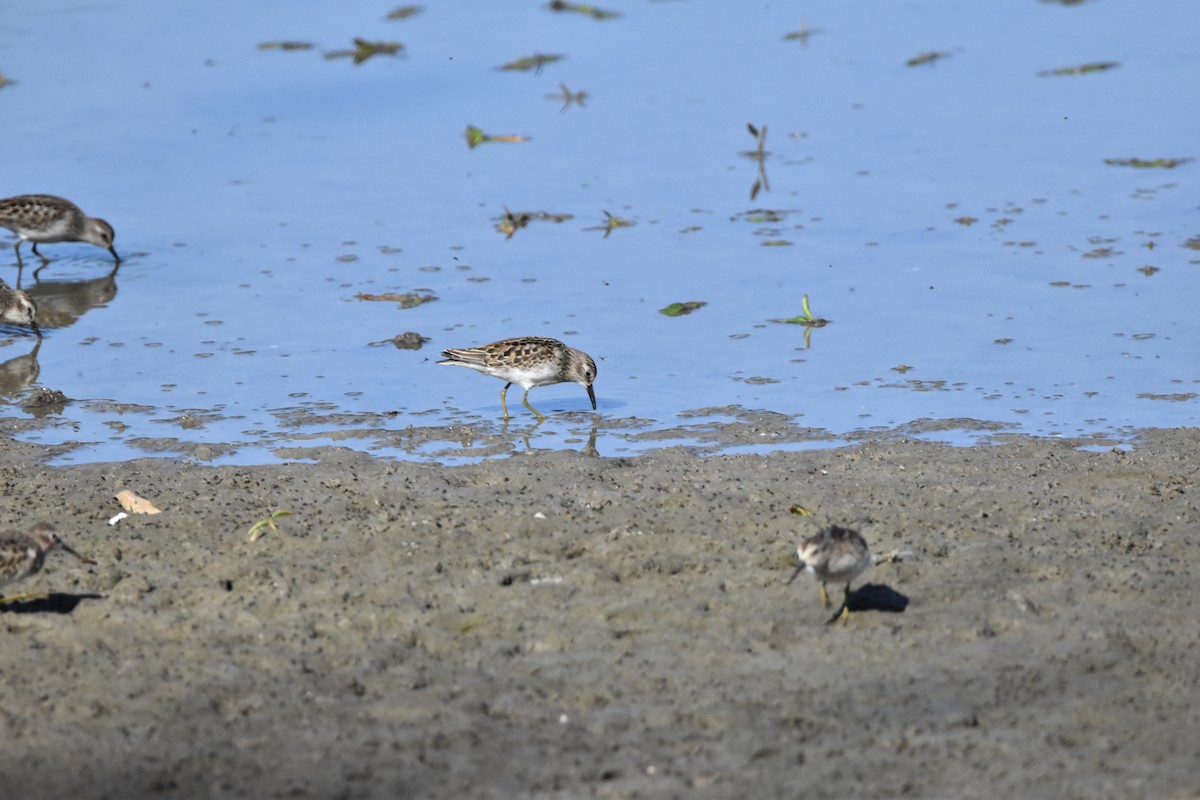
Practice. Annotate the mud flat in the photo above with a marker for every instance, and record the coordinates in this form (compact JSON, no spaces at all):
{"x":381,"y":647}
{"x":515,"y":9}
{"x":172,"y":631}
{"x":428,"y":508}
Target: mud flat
{"x":560,"y":625}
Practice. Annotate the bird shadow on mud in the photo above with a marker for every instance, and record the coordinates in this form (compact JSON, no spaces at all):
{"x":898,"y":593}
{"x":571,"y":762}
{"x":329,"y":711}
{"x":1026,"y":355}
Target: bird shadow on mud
{"x":876,"y":597}
{"x":53,"y":603}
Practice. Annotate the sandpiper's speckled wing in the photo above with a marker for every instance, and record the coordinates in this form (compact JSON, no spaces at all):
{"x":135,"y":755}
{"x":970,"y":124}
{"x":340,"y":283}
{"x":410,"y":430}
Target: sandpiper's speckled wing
{"x":516,"y":352}
{"x":36,"y":211}
{"x":20,"y":556}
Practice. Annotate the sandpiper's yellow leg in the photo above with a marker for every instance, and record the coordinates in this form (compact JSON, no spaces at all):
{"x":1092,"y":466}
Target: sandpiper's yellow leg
{"x":843,"y":613}
{"x":841,"y":616}
{"x":20,"y":598}
{"x":824,"y":597}
{"x":525,"y":400}
{"x":503,"y":402}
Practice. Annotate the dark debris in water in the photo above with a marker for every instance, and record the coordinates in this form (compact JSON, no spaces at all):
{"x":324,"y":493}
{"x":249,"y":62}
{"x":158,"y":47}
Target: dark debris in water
{"x":512,"y":222}
{"x":286,"y":45}
{"x":1176,"y":397}
{"x":569,"y":98}
{"x":927,"y":57}
{"x":586,"y":9}
{"x":801,"y":34}
{"x":405,"y":299}
{"x":42,"y":402}
{"x":403,"y":12}
{"x":409,"y":340}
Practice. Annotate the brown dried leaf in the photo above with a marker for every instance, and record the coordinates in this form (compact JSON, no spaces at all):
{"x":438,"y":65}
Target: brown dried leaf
{"x":135,"y":504}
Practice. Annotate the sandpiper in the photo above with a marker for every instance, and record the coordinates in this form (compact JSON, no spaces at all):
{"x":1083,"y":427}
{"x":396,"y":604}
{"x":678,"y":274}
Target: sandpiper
{"x":837,"y":555}
{"x":18,"y":307}
{"x":44,"y":219}
{"x":527,"y":361}
{"x":22,"y":555}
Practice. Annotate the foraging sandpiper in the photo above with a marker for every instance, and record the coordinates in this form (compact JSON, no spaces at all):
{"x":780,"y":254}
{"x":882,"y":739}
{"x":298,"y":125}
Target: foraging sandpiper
{"x":527,"y":361}
{"x":835,"y":555}
{"x":22,"y":555}
{"x":44,"y":219}
{"x":18,"y":308}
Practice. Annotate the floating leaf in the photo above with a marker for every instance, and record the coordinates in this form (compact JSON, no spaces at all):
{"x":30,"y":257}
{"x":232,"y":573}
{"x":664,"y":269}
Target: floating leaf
{"x":476,"y":137}
{"x":135,"y":504}
{"x":512,"y":222}
{"x":286,"y":46}
{"x":759,"y":154}
{"x":403,"y":12}
{"x":801,"y":34}
{"x":364,"y":49}
{"x":405,"y":299}
{"x":1147,"y":163}
{"x":568,"y":97}
{"x":611,"y":223}
{"x":1082,"y":69}
{"x":583,"y":8}
{"x":681,"y":309}
{"x":926,"y":58}
{"x":805,"y":317}
{"x":533,"y":62}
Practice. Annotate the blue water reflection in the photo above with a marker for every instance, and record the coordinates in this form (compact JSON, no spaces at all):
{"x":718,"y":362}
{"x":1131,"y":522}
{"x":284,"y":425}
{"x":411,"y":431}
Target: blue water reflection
{"x":956,"y":221}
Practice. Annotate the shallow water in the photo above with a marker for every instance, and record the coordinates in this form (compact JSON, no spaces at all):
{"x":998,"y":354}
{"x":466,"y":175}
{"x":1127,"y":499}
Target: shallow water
{"x":956,"y":221}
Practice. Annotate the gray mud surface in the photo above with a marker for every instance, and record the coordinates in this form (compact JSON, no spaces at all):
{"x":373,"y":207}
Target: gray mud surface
{"x":559,"y":625}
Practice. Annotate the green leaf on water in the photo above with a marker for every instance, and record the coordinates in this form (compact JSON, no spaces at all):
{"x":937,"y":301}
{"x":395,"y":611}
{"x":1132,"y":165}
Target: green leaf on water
{"x":476,"y":137}
{"x":533,"y":62}
{"x":1082,"y":69}
{"x":805,"y":317}
{"x":1146,"y":163}
{"x":680,"y":309}
{"x":364,"y":49}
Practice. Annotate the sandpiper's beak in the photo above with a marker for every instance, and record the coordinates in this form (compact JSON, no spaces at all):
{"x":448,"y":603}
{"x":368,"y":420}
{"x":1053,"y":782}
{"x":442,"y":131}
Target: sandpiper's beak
{"x":36,"y":329}
{"x":591,"y":396}
{"x":74,"y":552}
{"x":799,"y":569}
{"x":113,"y":250}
